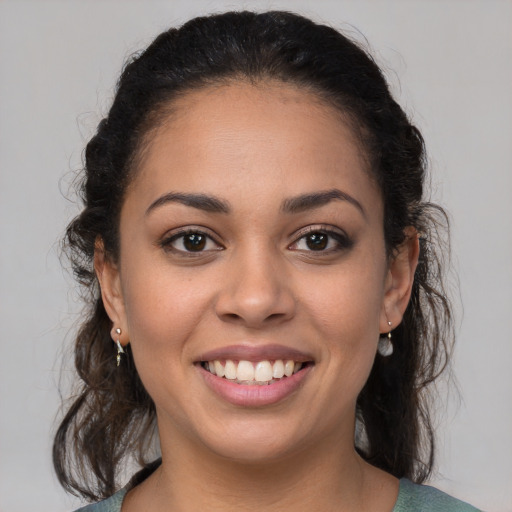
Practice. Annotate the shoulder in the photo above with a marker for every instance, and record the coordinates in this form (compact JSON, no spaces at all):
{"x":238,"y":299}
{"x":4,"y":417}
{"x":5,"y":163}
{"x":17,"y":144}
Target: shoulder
{"x":423,"y":498}
{"x":112,"y":504}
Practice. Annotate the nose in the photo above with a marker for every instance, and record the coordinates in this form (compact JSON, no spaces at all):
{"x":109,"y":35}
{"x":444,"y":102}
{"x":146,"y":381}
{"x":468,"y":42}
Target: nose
{"x":256,"y":291}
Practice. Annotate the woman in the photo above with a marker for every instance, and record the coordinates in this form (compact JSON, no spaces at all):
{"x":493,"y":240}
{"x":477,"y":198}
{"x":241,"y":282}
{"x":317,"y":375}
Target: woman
{"x":265,"y":281}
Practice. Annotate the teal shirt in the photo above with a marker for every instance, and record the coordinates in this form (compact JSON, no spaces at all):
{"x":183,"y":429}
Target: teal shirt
{"x":411,"y":498}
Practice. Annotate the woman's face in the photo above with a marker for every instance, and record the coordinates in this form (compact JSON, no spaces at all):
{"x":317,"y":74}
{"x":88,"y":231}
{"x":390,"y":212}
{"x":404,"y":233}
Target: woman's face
{"x":252,"y":246}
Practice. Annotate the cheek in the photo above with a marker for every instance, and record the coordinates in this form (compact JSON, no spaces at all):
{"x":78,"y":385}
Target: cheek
{"x":162,"y":309}
{"x":348,"y":300}
{"x":345,"y":307}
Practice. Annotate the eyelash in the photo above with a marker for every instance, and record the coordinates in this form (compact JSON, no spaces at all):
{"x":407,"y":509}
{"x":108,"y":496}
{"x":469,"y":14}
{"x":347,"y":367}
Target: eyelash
{"x":343,"y":242}
{"x":167,"y":242}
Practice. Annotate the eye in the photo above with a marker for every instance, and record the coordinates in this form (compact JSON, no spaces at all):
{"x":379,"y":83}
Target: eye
{"x":316,"y":241}
{"x":322,"y":240}
{"x":190,"y":241}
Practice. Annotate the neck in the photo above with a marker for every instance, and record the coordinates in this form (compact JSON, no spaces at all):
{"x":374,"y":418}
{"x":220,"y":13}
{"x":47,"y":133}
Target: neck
{"x":328,"y":477}
{"x":285,"y":484}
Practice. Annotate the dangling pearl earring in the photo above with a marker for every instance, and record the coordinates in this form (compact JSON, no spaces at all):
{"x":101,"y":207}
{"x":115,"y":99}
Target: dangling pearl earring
{"x":385,"y":347}
{"x":119,"y":347}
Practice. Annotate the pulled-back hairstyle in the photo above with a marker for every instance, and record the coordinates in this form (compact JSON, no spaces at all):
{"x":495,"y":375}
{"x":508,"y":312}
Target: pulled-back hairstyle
{"x":112,"y":417}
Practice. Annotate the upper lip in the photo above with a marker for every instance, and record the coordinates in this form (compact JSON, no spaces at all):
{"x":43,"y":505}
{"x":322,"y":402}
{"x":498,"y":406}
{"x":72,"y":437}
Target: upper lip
{"x":254,"y":353}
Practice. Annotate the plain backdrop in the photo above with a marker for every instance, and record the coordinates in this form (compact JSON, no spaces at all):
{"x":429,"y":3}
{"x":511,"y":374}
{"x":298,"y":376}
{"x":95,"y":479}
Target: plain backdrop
{"x":450,"y":65}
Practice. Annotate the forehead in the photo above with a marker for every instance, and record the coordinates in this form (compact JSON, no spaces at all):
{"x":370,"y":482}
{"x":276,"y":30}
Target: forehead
{"x":270,"y":110}
{"x":269,"y":136}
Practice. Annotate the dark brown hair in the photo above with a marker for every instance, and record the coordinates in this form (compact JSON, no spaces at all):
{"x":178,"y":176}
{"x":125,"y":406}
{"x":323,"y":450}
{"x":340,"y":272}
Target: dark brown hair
{"x":112,"y":417}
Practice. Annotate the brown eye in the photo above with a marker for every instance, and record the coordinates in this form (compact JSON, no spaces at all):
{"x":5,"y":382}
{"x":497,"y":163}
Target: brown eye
{"x":322,"y":241}
{"x":317,"y":241}
{"x":194,"y":242}
{"x":190,"y":242}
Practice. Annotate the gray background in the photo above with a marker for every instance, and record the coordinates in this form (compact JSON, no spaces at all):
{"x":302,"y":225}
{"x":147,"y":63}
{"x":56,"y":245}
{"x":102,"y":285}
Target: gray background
{"x":450,"y":63}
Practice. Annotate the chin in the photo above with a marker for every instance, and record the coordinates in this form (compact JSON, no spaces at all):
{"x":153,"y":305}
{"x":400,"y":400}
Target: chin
{"x":253,"y":451}
{"x":256,"y":441}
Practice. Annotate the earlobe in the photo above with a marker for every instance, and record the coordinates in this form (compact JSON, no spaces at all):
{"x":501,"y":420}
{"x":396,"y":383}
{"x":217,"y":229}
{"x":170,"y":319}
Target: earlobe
{"x":107,"y":273}
{"x":400,"y":279}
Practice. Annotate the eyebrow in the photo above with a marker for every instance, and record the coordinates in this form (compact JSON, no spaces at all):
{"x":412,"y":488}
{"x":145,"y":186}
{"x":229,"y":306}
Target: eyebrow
{"x":296,"y":204}
{"x":200,"y":201}
{"x":317,"y":199}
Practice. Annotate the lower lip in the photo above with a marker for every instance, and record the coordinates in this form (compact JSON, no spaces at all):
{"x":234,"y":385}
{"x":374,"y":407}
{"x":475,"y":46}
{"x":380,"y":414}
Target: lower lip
{"x":255,"y":395}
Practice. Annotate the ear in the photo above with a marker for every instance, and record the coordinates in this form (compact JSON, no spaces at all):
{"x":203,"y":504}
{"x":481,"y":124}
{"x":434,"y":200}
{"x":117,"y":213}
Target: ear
{"x":399,"y":280}
{"x":107,"y":273}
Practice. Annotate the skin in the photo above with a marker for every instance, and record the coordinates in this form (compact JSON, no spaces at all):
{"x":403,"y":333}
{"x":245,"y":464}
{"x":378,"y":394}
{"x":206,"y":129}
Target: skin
{"x":256,"y":282}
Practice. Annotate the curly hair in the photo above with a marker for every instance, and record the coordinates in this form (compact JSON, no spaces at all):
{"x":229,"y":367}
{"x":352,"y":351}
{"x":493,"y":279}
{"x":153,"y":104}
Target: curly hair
{"x":113,"y":417}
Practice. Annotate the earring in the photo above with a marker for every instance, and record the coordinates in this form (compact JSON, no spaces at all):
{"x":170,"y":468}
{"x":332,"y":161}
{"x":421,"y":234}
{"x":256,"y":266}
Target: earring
{"x":385,"y":347}
{"x":119,"y":347}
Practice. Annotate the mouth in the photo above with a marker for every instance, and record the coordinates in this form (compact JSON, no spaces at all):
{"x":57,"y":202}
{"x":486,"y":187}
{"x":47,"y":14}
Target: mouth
{"x":248,"y":375}
{"x":254,"y":373}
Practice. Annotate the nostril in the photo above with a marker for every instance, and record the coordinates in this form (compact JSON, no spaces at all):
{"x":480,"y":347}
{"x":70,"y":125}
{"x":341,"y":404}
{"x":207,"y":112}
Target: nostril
{"x":231,"y":316}
{"x":234,"y":317}
{"x":276,"y":316}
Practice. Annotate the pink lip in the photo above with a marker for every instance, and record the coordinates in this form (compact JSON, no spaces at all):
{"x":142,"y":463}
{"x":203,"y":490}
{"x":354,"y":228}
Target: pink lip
{"x":255,"y":353}
{"x":255,"y":395}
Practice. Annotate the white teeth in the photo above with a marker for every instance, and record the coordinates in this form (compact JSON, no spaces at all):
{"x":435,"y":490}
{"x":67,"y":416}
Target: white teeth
{"x":263,"y":371}
{"x":289,"y":367}
{"x":230,"y":370}
{"x":245,"y":371}
{"x":278,"y":369}
{"x":249,"y":373}
{"x":219,"y":369}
